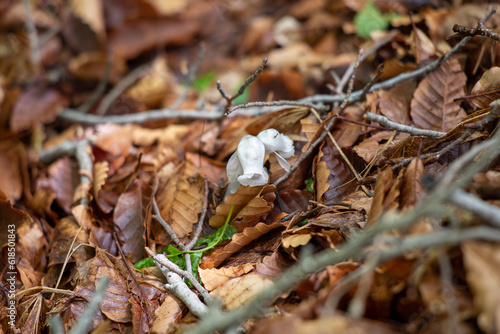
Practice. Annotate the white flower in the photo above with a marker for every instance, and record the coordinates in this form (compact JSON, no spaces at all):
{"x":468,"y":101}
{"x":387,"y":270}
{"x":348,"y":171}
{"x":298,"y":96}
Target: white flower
{"x":246,"y":165}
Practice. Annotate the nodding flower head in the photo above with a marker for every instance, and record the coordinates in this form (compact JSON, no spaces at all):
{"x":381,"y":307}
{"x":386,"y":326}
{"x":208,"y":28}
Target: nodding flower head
{"x":246,"y":165}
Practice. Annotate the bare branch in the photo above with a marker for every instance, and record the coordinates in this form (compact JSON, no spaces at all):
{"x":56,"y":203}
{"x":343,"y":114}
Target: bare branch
{"x":152,"y":115}
{"x":122,"y":86}
{"x":488,"y":212}
{"x":29,"y":23}
{"x":400,"y":127}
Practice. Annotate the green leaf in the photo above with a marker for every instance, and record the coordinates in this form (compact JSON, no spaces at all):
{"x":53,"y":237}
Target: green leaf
{"x":302,"y":222}
{"x":243,"y":98}
{"x":204,"y":81}
{"x":225,"y":232}
{"x":370,"y":19}
{"x":309,"y":183}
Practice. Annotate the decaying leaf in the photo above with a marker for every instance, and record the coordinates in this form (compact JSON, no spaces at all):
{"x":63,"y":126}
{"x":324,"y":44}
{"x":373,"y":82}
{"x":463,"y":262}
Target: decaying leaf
{"x":433,"y":106}
{"x":180,"y":199}
{"x":36,"y":105}
{"x":333,"y":179}
{"x":412,"y":183}
{"x":487,"y":89}
{"x":237,"y":291}
{"x":251,"y":205}
{"x":212,"y":278}
{"x":481,"y":261}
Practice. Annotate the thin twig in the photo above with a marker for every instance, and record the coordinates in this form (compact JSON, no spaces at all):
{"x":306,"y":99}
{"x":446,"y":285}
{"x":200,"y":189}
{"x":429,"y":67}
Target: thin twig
{"x":122,"y":86}
{"x":191,"y":76}
{"x":488,"y":212}
{"x":101,"y":87}
{"x":242,"y":88}
{"x":166,"y":226}
{"x":448,"y":292}
{"x":73,"y":115}
{"x":400,"y":127}
{"x":29,"y":23}
{"x":164,"y":261}
{"x":199,"y":225}
{"x":132,"y":274}
{"x":250,"y":79}
{"x":272,"y":104}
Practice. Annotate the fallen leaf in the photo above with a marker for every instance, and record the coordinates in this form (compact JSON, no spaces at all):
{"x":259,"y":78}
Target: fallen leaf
{"x":37,"y":105}
{"x":238,"y":291}
{"x":433,"y":106}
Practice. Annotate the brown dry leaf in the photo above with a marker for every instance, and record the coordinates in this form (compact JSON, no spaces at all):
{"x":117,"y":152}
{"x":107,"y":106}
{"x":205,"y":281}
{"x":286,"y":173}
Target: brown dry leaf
{"x":100,"y":176}
{"x":238,"y":291}
{"x":12,"y":219}
{"x":11,"y":181}
{"x":92,"y":65}
{"x":115,"y":304}
{"x":482,"y":263}
{"x":369,"y":148}
{"x":251,"y":205}
{"x":170,"y":312}
{"x":422,"y":47}
{"x":64,"y":180}
{"x":114,"y":139}
{"x":181,"y":197}
{"x":433,"y":105}
{"x":239,"y":240}
{"x":487,"y":89}
{"x":284,"y":120}
{"x":393,"y":106}
{"x":272,"y":266}
{"x":37,"y":105}
{"x":212,"y":278}
{"x":359,"y":201}
{"x":129,"y":216}
{"x":338,"y":324}
{"x":136,"y":37}
{"x":31,"y":313}
{"x":346,"y":133}
{"x":168,"y":7}
{"x":333,"y":179}
{"x":384,"y":183}
{"x":153,"y":86}
{"x":412,"y":189}
{"x":91,"y":13}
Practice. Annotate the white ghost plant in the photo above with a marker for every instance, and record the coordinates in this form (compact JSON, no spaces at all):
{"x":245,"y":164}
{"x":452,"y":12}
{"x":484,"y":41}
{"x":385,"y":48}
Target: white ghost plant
{"x":246,"y":165}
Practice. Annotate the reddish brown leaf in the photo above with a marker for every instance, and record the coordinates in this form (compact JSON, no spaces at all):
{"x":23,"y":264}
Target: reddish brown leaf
{"x":382,"y":186}
{"x":432,"y":106}
{"x":11,"y":183}
{"x":422,"y":47}
{"x":487,"y":89}
{"x":272,"y":266}
{"x":412,"y":190}
{"x":36,"y":105}
{"x":64,"y":180}
{"x":244,"y":238}
{"x":333,"y":179}
{"x":251,"y":205}
{"x":12,"y":219}
{"x":129,"y":217}
{"x":180,"y":198}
